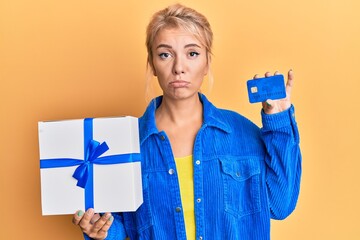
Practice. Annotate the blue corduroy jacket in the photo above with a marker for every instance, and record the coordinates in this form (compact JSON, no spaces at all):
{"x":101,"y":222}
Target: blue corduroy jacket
{"x":243,"y":177}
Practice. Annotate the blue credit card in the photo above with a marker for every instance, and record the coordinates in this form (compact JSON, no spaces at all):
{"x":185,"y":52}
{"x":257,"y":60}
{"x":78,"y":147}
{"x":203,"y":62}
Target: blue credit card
{"x":262,"y":89}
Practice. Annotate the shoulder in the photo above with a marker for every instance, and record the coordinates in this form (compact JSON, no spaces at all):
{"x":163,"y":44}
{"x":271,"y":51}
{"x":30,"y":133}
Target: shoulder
{"x":236,"y":120}
{"x":235,"y":133}
{"x":227,"y":120}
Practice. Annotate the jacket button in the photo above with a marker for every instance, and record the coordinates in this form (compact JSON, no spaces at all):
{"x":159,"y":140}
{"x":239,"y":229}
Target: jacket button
{"x":162,"y":137}
{"x":178,"y":209}
{"x":171,"y":171}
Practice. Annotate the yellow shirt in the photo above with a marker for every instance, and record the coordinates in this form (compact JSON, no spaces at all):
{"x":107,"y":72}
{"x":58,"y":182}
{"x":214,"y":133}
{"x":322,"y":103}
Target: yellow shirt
{"x":184,"y":166}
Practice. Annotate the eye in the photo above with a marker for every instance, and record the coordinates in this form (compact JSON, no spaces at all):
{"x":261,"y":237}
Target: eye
{"x":194,"y":54}
{"x":164,"y":55}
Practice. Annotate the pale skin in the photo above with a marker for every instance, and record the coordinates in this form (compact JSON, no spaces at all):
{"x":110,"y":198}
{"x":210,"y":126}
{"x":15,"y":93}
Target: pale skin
{"x":180,"y":63}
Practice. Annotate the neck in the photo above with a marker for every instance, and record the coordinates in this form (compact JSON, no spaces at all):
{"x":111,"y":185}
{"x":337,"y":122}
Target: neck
{"x":179,"y":112}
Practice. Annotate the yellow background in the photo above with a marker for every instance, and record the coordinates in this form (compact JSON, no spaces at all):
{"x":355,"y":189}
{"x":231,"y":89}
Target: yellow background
{"x":86,"y":58}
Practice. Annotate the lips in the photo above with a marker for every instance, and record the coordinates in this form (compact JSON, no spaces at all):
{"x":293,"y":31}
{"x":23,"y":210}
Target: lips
{"x":179,"y":83}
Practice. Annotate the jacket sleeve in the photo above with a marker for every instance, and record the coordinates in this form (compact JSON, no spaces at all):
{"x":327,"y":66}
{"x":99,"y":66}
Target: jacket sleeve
{"x":116,"y":231}
{"x":281,"y":137}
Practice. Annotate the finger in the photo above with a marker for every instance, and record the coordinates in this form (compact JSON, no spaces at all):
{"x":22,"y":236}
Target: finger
{"x":108,"y":223}
{"x":276,"y":73}
{"x":85,"y":221}
{"x":268,"y":105}
{"x":77,"y":217}
{"x":268,"y":74}
{"x":291,"y":77}
{"x":103,"y":232}
{"x":256,"y":76}
{"x":95,"y":218}
{"x":290,"y":82}
{"x":99,"y":224}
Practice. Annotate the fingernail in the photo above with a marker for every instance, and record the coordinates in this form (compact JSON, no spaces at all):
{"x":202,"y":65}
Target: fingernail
{"x":90,"y":211}
{"x":80,"y":213}
{"x":111,"y":218}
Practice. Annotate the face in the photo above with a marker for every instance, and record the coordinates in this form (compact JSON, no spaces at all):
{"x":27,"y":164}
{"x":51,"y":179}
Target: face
{"x":180,"y":63}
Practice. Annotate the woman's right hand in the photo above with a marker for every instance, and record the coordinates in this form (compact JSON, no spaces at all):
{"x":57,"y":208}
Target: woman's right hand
{"x":93,"y":225}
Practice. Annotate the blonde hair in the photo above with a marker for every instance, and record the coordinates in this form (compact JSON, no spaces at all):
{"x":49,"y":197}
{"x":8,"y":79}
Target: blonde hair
{"x":176,"y":16}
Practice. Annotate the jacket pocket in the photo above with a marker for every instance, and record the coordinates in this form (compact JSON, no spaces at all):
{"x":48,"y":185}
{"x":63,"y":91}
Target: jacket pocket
{"x":241,"y":177}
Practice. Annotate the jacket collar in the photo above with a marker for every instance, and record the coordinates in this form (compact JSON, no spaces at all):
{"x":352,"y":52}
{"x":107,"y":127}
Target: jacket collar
{"x":213,"y":117}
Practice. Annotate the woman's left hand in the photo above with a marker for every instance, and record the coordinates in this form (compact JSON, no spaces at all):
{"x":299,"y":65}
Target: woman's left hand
{"x":276,"y":106}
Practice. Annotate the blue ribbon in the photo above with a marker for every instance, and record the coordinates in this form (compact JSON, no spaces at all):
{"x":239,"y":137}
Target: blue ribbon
{"x":92,"y":152}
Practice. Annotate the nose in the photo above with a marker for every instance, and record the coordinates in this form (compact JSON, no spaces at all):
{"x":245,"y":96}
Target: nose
{"x":178,"y":67}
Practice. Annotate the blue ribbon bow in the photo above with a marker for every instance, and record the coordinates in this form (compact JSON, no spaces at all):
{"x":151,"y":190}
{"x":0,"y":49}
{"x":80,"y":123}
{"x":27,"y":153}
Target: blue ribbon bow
{"x":92,"y":152}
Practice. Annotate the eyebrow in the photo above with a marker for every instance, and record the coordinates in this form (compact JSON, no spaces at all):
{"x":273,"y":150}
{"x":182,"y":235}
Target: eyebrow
{"x":186,"y":46}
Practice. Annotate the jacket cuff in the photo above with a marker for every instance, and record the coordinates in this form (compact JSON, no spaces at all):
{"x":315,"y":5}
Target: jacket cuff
{"x":278,"y":120}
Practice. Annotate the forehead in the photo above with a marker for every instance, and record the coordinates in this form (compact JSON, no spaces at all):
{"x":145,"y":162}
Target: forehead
{"x":175,"y":35}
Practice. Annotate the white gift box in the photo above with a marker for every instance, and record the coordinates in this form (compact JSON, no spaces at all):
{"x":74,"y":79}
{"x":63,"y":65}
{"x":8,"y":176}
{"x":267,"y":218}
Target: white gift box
{"x":113,"y":185}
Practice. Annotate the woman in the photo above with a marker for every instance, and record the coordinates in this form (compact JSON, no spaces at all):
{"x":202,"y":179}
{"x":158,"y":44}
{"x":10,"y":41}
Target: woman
{"x":208,"y":173}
